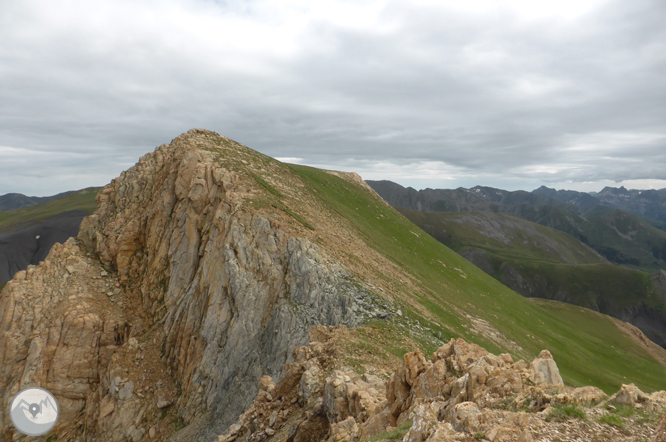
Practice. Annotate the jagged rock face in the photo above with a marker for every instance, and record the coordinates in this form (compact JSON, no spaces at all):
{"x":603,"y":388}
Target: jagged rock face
{"x":234,"y":292}
{"x":200,"y":295}
{"x":463,"y":394}
{"x":59,"y":330}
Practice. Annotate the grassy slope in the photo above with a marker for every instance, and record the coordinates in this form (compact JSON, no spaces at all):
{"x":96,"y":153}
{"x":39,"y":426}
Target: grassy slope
{"x":544,"y":258}
{"x":619,"y":236}
{"x":80,"y":200}
{"x":589,"y":349}
{"x":503,"y":235}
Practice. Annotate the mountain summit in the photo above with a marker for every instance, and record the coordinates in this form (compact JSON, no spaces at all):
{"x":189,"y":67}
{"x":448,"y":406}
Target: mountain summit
{"x":207,"y":263}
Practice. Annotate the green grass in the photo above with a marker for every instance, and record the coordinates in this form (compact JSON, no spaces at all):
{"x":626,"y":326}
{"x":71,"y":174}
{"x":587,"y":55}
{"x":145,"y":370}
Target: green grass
{"x":611,"y":419}
{"x":563,"y":412}
{"x":80,"y":200}
{"x":397,"y":434}
{"x":622,"y":410}
{"x":552,"y":264}
{"x":503,"y":235}
{"x":588,"y":348}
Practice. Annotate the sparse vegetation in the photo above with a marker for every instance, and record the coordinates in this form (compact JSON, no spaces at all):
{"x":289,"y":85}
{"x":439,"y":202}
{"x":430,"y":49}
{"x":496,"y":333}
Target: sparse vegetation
{"x":611,"y":419}
{"x":564,"y":412}
{"x":396,"y":434}
{"x":622,"y":410}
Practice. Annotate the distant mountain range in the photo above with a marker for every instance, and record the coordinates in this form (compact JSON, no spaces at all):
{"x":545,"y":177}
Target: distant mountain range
{"x":647,"y":203}
{"x":13,"y":201}
{"x":620,"y":236}
{"x":559,"y":245}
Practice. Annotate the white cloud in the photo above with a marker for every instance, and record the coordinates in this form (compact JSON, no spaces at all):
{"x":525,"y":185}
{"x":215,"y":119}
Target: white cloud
{"x":518,"y":91}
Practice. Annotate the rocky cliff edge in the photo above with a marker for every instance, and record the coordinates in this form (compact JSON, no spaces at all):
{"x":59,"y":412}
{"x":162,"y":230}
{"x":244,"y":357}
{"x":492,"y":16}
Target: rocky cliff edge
{"x":180,"y":292}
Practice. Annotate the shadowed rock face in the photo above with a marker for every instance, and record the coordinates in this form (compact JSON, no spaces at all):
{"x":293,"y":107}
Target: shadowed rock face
{"x":230,"y":291}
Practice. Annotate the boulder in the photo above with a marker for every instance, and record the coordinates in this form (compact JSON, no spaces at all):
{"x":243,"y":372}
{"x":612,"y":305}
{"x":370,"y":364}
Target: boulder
{"x":400,"y":384}
{"x":629,"y":395}
{"x":431,"y":383}
{"x":424,"y":418}
{"x":459,"y":354}
{"x":266,"y":384}
{"x":544,"y":370}
{"x":588,"y":395}
{"x":377,"y":424}
{"x":462,"y":412}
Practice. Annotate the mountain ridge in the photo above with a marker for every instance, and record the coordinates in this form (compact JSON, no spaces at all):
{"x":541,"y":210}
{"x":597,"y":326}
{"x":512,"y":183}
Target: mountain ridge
{"x":207,"y":262}
{"x":621,"y":237}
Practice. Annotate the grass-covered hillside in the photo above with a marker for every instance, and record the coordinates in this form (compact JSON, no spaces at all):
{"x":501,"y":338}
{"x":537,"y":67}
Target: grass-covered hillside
{"x":446,"y":294}
{"x":83,"y":200}
{"x":537,"y":261}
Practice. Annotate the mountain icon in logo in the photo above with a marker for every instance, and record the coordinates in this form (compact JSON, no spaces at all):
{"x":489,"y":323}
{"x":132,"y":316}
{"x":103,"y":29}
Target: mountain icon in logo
{"x":34,"y":411}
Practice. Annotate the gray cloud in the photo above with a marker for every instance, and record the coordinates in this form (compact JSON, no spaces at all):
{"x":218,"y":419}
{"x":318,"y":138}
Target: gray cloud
{"x":460,"y":97}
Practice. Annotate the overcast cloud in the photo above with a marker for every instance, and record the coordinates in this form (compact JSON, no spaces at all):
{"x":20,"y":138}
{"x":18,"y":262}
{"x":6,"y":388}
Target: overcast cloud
{"x":514,"y":94}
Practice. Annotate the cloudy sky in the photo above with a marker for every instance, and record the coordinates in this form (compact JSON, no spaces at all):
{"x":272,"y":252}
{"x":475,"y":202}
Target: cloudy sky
{"x":512,"y":94}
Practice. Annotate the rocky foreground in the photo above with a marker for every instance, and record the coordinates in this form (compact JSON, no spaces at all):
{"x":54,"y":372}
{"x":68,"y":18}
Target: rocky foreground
{"x":463,"y":393}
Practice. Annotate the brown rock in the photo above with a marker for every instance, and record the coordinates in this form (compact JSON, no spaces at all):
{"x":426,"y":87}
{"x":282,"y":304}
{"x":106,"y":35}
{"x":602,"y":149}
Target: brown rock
{"x":345,"y":430}
{"x":629,"y":395}
{"x":291,"y":376}
{"x":414,"y":365}
{"x":588,"y":395}
{"x":313,"y":429}
{"x":505,"y":433}
{"x":660,"y":432}
{"x":432,"y":383}
{"x":377,"y":424}
{"x":163,"y":398}
{"x":266,"y":384}
{"x":462,"y":412}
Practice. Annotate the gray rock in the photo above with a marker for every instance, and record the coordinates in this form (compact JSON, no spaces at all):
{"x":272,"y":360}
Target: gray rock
{"x":126,"y":391}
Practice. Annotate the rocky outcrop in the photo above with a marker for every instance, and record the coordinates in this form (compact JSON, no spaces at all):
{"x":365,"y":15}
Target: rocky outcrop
{"x":220,"y":290}
{"x":463,"y":393}
{"x":66,"y":326}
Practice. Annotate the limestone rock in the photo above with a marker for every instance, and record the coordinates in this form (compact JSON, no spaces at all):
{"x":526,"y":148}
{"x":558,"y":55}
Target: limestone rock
{"x":126,"y":392}
{"x":588,"y":395}
{"x":459,"y":354}
{"x":399,"y":386}
{"x":163,"y":398}
{"x":629,"y":395}
{"x":266,"y":384}
{"x":345,"y":430}
{"x":461,"y":413}
{"x":376,"y":424}
{"x":544,"y":370}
